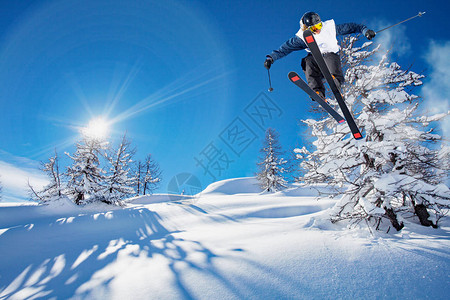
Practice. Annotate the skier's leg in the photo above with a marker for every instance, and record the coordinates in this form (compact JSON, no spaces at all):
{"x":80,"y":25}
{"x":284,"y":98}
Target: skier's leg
{"x":313,"y":75}
{"x":334,"y":64}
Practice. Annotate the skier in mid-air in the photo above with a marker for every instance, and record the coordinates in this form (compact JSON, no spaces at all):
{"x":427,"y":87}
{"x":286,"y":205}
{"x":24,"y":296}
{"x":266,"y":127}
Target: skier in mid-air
{"x":325,"y":34}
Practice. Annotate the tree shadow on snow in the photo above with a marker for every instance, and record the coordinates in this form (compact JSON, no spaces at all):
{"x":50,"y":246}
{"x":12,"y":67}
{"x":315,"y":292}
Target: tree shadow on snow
{"x":121,"y":253}
{"x":76,"y":256}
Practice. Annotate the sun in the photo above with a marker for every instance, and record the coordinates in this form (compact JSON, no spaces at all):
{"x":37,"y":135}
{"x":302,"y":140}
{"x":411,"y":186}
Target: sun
{"x":97,"y":128}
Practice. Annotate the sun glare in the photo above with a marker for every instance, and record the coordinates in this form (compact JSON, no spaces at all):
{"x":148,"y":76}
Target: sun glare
{"x":97,"y":128}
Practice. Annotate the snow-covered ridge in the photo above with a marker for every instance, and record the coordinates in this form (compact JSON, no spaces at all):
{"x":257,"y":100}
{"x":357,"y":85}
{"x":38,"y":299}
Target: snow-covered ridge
{"x":234,"y":186}
{"x":243,"y":185}
{"x":248,"y":185}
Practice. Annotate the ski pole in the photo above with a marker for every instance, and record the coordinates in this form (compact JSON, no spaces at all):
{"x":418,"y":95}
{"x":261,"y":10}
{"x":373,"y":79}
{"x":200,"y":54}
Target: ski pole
{"x":270,"y":82}
{"x":418,"y":15}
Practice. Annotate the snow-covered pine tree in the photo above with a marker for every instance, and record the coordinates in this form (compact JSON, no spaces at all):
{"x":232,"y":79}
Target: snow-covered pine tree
{"x":402,"y":163}
{"x":85,"y":176}
{"x":271,"y":166}
{"x":55,"y":189}
{"x":119,"y":182}
{"x":151,"y":175}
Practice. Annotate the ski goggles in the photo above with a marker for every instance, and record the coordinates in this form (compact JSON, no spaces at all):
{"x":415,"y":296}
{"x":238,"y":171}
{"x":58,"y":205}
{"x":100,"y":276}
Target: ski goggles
{"x":316,"y":27}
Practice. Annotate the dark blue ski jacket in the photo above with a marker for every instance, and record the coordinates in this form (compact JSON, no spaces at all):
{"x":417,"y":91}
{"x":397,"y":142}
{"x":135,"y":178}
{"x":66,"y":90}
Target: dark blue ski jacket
{"x":295,"y":43}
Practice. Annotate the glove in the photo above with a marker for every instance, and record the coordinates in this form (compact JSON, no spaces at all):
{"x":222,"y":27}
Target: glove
{"x":268,"y":62}
{"x":370,"y":34}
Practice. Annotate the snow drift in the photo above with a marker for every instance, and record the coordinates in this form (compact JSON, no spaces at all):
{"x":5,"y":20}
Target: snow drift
{"x":234,"y":186}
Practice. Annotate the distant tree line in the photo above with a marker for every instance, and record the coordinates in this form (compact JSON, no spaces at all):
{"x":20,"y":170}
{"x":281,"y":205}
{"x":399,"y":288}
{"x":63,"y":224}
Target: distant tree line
{"x":99,"y":172}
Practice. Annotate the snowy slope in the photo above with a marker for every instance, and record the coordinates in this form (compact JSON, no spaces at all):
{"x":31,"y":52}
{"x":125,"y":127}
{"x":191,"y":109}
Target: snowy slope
{"x":229,"y":242}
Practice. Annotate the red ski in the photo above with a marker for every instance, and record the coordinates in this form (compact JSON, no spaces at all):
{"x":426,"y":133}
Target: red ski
{"x":298,"y":81}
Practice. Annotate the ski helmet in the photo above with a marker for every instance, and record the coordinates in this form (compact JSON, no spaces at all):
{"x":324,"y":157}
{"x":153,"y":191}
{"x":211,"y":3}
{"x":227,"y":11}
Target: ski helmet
{"x":310,"y":19}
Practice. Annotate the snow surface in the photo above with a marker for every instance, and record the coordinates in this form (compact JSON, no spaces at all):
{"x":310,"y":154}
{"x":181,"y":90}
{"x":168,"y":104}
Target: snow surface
{"x":229,"y":242}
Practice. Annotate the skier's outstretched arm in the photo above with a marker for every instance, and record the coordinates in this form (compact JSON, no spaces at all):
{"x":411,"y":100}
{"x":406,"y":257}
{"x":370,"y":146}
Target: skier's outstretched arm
{"x":293,"y":44}
{"x":349,"y":28}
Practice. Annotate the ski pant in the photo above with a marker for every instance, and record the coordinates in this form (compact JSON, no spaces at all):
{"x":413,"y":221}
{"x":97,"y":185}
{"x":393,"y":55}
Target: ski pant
{"x":314,"y":75}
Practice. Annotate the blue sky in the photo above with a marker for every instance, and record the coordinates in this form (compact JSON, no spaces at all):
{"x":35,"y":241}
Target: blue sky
{"x":184,"y":79}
